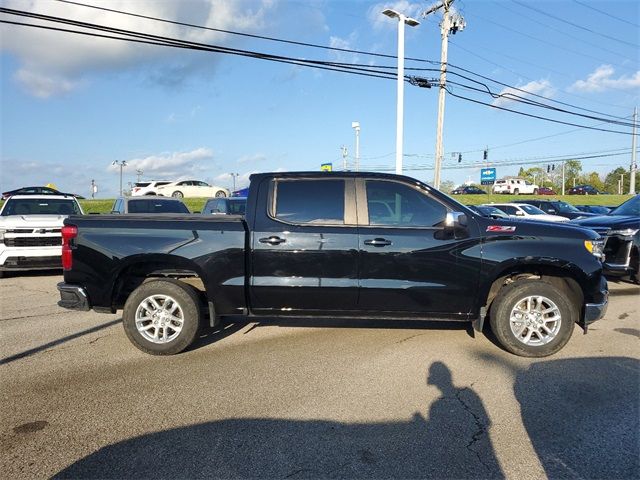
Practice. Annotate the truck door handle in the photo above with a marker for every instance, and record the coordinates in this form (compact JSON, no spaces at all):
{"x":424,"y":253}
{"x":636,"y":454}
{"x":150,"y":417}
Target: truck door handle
{"x":272,"y":240}
{"x":378,"y":242}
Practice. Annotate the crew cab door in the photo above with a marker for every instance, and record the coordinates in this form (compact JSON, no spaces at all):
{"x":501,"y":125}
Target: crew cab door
{"x":411,"y":264}
{"x":304,"y":247}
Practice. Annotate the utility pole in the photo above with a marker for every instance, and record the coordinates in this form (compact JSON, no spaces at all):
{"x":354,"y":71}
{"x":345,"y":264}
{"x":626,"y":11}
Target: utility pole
{"x":122,"y":164}
{"x":621,"y":183}
{"x":634,"y":166}
{"x":451,"y":23}
{"x":139,"y":173}
{"x":563,"y":179}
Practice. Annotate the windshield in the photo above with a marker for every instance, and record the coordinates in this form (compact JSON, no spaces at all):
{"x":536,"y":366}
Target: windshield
{"x":157,"y":206}
{"x":566,"y":208}
{"x":531,"y":210}
{"x":630,"y":207}
{"x":40,"y":206}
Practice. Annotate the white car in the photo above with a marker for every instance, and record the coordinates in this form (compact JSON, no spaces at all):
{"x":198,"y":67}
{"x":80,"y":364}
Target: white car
{"x":516,"y":186}
{"x":147,"y":188}
{"x":30,"y":237}
{"x":192,"y":188}
{"x":526,"y":212}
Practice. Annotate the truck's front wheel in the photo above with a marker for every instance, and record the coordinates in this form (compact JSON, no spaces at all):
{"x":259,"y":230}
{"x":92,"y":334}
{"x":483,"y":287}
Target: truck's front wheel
{"x":532,"y":318}
{"x":162,"y":317}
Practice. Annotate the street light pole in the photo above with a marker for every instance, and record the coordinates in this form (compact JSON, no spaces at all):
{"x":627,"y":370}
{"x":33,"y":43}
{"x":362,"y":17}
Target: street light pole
{"x":402,"y":20}
{"x":634,"y":165}
{"x":122,"y":164}
{"x":234,"y":175}
{"x":356,"y":127}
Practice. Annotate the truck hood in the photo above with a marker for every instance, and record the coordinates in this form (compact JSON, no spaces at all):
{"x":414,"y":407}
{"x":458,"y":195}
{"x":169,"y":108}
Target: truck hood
{"x":31,"y":221}
{"x":535,"y":228}
{"x":609,"y":221}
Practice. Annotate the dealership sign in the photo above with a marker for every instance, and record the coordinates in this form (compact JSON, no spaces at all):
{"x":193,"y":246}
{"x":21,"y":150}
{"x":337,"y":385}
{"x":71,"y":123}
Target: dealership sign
{"x":487,"y":176}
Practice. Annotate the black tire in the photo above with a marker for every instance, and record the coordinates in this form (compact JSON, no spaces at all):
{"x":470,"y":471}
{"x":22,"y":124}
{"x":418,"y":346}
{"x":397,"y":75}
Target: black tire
{"x":516,"y":192}
{"x":188,"y":303}
{"x":220,"y":194}
{"x":513,"y":294}
{"x":535,"y":191}
{"x":177,"y":194}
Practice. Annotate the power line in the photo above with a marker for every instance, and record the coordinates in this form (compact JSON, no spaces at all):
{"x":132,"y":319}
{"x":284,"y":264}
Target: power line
{"x":262,"y":37}
{"x":606,"y":13}
{"x":535,"y":116}
{"x":167,"y":41}
{"x":581,"y":27}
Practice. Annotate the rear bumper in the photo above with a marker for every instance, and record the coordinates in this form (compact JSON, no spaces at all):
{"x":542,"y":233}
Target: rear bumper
{"x":73,"y":297}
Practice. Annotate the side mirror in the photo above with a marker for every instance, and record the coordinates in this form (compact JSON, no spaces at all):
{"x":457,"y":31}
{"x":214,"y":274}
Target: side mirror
{"x":455,"y":219}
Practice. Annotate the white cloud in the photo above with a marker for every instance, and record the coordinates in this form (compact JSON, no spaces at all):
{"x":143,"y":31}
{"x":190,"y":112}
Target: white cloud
{"x":174,"y":165}
{"x":51,"y":63}
{"x":602,"y":79}
{"x":538,"y":87}
{"x":256,"y":157}
{"x":410,"y":9}
{"x":344,"y":43}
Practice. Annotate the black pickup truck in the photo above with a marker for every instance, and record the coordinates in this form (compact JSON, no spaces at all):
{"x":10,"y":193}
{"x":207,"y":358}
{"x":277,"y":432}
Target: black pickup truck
{"x":340,"y":245}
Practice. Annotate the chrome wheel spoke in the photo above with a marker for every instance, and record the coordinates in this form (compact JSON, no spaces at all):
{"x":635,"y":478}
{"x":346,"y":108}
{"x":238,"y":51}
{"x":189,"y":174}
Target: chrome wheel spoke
{"x":159,"y":318}
{"x":535,"y":320}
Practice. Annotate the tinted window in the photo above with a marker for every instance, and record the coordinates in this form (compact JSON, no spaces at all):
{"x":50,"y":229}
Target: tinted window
{"x":237,"y":207}
{"x":395,"y":204}
{"x":36,"y":206}
{"x":310,"y":201}
{"x":508,"y":209}
{"x":630,"y":207}
{"x":143,"y":184}
{"x":156,"y":206}
{"x":531,"y":210}
{"x":209,"y":207}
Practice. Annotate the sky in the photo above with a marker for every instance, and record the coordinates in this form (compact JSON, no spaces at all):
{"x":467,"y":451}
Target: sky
{"x":72,"y":105}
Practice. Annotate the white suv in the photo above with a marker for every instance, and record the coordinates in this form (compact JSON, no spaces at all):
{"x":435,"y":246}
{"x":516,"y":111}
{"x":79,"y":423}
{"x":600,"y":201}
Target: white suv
{"x":147,"y":188}
{"x":516,"y":186}
{"x":30,"y":237}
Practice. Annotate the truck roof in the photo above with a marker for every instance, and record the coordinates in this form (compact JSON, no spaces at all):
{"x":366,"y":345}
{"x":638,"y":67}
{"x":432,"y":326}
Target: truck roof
{"x":342,"y":174}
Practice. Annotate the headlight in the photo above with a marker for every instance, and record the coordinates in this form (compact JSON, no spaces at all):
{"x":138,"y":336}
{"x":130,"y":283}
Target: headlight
{"x":627,"y":232}
{"x":595,"y":247}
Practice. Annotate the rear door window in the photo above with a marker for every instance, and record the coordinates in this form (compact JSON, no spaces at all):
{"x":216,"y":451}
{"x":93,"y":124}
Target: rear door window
{"x":310,"y":201}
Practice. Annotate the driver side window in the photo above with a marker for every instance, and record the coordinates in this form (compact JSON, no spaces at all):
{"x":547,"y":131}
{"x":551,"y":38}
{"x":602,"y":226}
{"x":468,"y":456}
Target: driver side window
{"x":398,"y":205}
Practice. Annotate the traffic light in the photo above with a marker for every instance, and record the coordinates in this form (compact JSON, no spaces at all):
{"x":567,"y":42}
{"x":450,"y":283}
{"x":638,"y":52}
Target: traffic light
{"x":459,"y":157}
{"x":486,"y":154}
{"x":548,"y":168}
{"x":553,"y":167}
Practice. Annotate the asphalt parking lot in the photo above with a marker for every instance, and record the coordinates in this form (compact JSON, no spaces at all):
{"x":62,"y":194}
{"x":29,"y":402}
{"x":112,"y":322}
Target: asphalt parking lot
{"x":327,"y":400}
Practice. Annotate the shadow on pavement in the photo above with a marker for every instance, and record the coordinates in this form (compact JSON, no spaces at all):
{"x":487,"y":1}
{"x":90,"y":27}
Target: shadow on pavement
{"x":451,"y":442}
{"x":583,"y":416}
{"x":33,"y":351}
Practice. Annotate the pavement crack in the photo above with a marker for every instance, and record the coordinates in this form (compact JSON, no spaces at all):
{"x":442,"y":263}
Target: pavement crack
{"x":480,"y":431}
{"x":410,"y":337}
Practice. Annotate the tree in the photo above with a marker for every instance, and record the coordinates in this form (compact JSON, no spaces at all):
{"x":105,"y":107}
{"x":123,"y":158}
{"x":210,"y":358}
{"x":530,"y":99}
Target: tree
{"x":572,"y":169}
{"x":613,"y":177}
{"x":446,"y":186}
{"x":593,"y":179}
{"x":534,"y":174}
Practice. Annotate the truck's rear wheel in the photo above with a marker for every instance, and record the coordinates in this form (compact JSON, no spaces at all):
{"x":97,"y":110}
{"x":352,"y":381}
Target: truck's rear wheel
{"x":162,"y":317}
{"x":532,"y":318}
{"x":535,"y":191}
{"x":516,"y":192}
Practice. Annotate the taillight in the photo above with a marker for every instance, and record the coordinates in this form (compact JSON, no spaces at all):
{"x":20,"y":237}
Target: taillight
{"x":508,"y":187}
{"x":69,"y":232}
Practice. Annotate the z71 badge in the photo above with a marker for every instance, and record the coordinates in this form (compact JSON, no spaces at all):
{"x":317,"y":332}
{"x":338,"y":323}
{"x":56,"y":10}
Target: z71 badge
{"x":500,"y":228}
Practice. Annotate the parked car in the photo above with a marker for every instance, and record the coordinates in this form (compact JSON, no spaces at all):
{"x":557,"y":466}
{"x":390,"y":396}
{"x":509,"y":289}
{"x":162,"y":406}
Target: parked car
{"x":621,"y":227}
{"x":527,"y":212}
{"x":516,"y":186}
{"x":225,"y":206}
{"x":583,"y":190}
{"x":468,"y":190}
{"x":191,"y":188}
{"x":488,"y":211}
{"x":311,"y":245}
{"x":37,"y":191}
{"x":125,"y":205}
{"x":557,"y":207}
{"x":147,"y":188}
{"x":30,"y":226}
{"x":598,"y":209}
{"x":546,"y":191}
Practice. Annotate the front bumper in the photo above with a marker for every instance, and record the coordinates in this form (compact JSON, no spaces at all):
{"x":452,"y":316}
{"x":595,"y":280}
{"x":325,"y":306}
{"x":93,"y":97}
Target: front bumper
{"x":595,"y":311}
{"x":73,"y":297}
